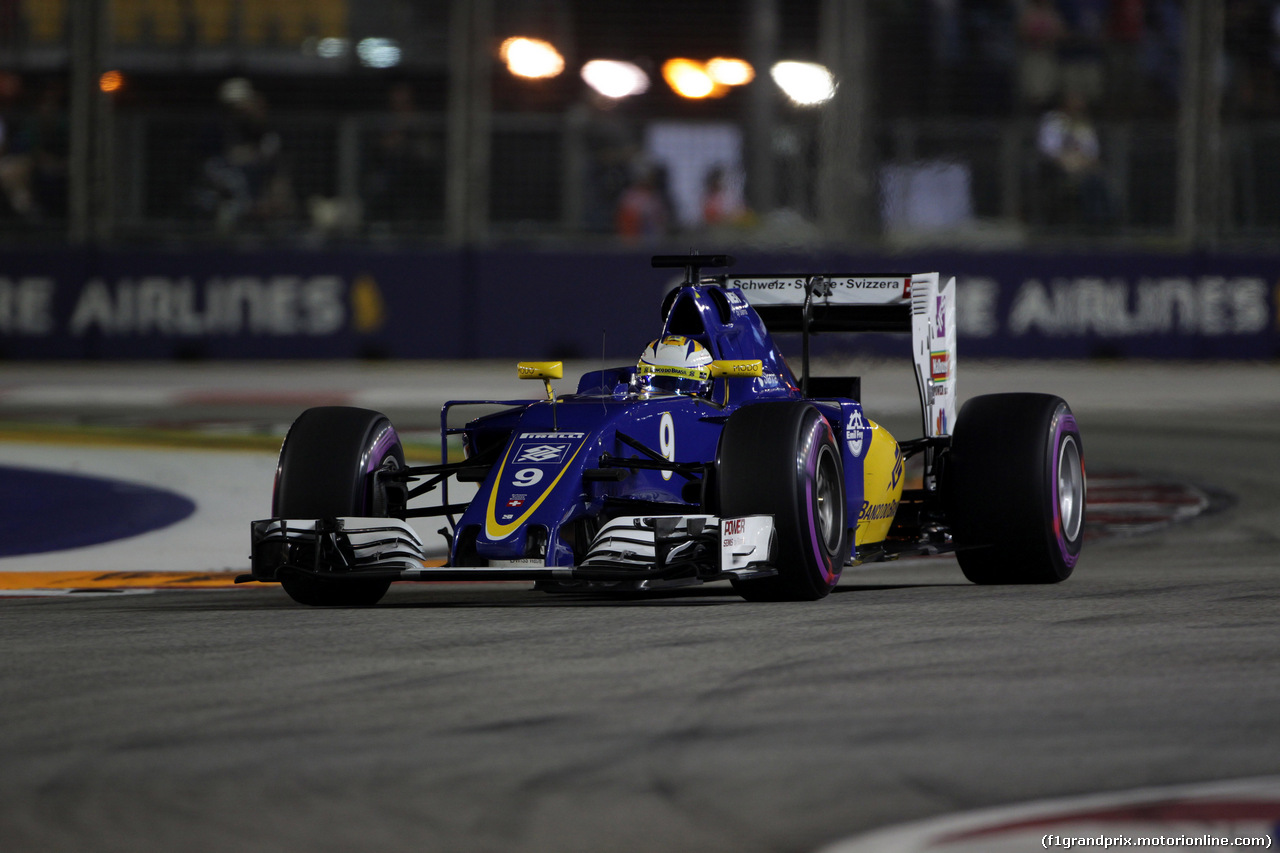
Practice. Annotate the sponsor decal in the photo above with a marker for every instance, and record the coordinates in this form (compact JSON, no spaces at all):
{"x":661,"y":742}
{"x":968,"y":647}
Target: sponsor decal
{"x":871,"y":283}
{"x":854,"y":434}
{"x":672,"y":370}
{"x":940,"y":318}
{"x":277,"y":306}
{"x":977,"y":303}
{"x":825,"y":286}
{"x":540,"y":453}
{"x":897,"y":467}
{"x":499,"y":524}
{"x":734,"y":526}
{"x":877,"y":512}
{"x":769,"y":283}
{"x":940,"y":366}
{"x":569,"y":435}
{"x":941,"y":423}
{"x":26,"y":306}
{"x":1210,"y":306}
{"x":1118,"y":308}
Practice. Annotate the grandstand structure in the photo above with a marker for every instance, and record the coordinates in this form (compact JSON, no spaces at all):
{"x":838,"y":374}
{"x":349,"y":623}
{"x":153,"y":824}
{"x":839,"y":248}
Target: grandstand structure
{"x":328,"y":122}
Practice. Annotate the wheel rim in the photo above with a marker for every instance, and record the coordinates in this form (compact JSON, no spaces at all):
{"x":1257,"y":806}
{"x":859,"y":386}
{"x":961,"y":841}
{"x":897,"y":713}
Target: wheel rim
{"x":1070,"y":488}
{"x":827,"y":494}
{"x":380,"y":503}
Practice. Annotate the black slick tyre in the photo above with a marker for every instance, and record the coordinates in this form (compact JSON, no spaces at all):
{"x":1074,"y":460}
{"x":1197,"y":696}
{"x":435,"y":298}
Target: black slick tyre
{"x":782,"y":459}
{"x":1015,"y":489}
{"x":327,"y":469}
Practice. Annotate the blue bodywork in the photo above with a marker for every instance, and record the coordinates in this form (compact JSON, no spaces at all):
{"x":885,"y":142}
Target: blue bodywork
{"x":546,"y":492}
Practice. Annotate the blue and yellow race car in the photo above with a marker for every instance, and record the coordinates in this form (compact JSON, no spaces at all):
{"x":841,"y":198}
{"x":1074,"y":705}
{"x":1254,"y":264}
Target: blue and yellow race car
{"x":707,"y":460}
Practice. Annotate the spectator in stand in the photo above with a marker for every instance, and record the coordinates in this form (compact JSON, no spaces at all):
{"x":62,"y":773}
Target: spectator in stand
{"x":15,"y":161}
{"x":406,"y":181}
{"x":1081,"y":52}
{"x":1162,"y":50}
{"x":1126,"y":27}
{"x":1071,"y":156}
{"x":642,"y":215}
{"x":35,"y":163}
{"x":718,"y":208}
{"x":1040,"y":31}
{"x":243,"y":175}
{"x":1247,"y":41}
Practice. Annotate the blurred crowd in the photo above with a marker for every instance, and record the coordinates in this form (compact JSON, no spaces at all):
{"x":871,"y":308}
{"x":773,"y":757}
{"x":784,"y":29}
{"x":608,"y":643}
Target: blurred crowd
{"x":1123,"y":56}
{"x":244,"y":155}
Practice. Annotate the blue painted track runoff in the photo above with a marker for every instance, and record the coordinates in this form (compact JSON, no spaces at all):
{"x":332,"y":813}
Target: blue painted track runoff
{"x":43,"y":511}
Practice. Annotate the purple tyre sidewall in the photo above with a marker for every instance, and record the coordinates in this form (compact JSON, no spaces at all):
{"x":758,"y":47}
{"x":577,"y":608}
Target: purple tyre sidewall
{"x":819,"y":435}
{"x":1065,"y":425}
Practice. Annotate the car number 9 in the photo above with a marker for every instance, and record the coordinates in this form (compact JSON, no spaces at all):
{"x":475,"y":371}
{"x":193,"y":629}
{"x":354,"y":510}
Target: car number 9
{"x":527,"y":476}
{"x":667,"y":441}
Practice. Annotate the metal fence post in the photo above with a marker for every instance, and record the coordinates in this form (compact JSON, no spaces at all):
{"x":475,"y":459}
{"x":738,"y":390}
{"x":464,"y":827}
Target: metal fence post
{"x":762,"y":50}
{"x":845,"y":185}
{"x":89,"y":165}
{"x":1199,"y":124}
{"x":467,"y":182}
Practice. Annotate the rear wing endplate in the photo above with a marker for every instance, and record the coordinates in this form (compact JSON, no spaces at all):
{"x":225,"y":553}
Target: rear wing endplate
{"x":920,"y":304}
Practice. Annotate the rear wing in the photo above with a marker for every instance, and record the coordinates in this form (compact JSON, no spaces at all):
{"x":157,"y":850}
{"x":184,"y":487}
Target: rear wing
{"x":920,"y":304}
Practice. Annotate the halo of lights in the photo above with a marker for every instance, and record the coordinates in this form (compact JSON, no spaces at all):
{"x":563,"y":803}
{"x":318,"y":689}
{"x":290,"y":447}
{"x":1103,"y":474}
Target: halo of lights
{"x":111,"y":81}
{"x":532,"y":58}
{"x":688,"y":79}
{"x":805,"y":83}
{"x":332,"y":48}
{"x":378,"y":52}
{"x":614,"y":78}
{"x":730,"y":72}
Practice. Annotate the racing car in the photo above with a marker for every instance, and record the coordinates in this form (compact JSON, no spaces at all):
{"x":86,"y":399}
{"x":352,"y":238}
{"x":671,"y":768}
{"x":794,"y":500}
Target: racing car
{"x":707,"y":460}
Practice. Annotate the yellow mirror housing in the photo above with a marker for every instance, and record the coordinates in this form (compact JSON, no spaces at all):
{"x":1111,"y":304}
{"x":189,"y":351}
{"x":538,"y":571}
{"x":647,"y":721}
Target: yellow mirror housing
{"x":540,"y":369}
{"x":544,"y":370}
{"x":737,"y":367}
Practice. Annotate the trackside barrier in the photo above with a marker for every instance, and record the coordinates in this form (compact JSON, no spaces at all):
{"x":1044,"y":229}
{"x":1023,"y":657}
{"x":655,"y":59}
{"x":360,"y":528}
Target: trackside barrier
{"x":513,"y":304}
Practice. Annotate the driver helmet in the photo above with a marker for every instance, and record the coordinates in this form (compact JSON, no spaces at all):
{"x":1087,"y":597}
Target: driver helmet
{"x":674,"y":365}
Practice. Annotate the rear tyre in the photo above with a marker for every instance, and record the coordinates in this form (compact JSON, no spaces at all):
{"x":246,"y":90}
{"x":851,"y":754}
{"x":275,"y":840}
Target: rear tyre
{"x":327,"y":469}
{"x":782,"y":459}
{"x":1015,"y":489}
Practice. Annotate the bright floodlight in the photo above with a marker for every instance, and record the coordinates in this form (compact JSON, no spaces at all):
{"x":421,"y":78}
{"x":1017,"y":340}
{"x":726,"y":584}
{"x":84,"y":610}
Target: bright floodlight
{"x":533,"y":58}
{"x":378,"y":52}
{"x":806,"y":83}
{"x":615,"y":79}
{"x":730,"y":72}
{"x":688,"y":78}
{"x":331,"y":48}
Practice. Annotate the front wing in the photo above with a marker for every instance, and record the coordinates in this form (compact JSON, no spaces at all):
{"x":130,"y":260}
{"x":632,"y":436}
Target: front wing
{"x":640,"y":552}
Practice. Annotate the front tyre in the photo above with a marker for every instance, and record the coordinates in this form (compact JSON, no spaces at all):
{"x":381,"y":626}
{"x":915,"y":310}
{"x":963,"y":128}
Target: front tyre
{"x":1015,"y":489}
{"x":328,"y":468}
{"x":782,"y":459}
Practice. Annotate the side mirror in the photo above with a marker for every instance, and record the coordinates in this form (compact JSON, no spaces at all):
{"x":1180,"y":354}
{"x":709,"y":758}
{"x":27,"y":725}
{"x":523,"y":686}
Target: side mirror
{"x":544,"y":370}
{"x":737,"y":367}
{"x":540,"y":369}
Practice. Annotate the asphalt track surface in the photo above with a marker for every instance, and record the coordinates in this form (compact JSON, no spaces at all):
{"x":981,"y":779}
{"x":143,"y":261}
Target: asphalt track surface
{"x":491,"y":718}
